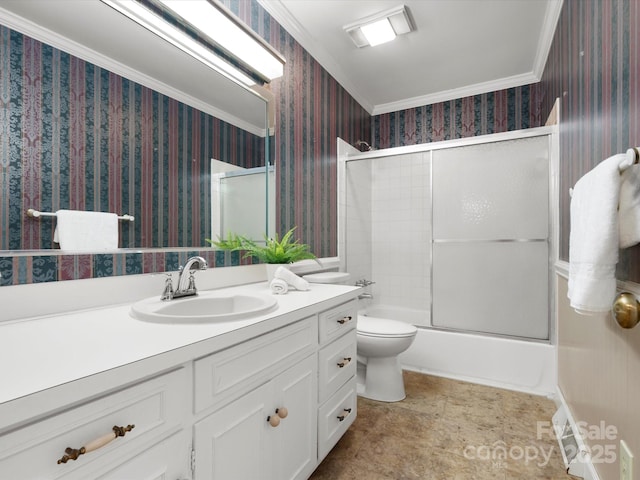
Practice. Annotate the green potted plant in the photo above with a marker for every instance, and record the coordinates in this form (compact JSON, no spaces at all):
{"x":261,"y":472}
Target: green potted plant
{"x":275,"y":251}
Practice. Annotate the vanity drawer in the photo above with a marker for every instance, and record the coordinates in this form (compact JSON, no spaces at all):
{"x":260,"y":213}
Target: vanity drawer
{"x":337,"y":364}
{"x":157,"y":408}
{"x":342,"y":405}
{"x":225,"y":375}
{"x":335,"y":322}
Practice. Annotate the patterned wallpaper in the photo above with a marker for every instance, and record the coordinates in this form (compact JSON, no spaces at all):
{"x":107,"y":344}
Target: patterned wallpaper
{"x":312,"y":110}
{"x":71,"y":132}
{"x":493,"y":112}
{"x":79,"y":137}
{"x":594,"y":68}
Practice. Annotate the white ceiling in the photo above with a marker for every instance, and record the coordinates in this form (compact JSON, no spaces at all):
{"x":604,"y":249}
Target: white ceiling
{"x":459,"y":48}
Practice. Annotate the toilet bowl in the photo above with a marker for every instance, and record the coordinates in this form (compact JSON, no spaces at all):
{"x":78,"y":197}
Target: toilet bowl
{"x":379,"y":342}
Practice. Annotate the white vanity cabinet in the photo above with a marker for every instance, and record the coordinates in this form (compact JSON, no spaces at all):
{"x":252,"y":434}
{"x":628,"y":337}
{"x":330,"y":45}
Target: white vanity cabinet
{"x":262,"y":401}
{"x":240,"y":440}
{"x":157,"y":410}
{"x":247,"y":438}
{"x":337,"y":357}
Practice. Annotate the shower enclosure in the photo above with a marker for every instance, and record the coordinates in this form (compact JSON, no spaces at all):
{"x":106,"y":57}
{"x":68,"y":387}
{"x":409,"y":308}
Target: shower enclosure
{"x":458,"y":237}
{"x":236,"y":197}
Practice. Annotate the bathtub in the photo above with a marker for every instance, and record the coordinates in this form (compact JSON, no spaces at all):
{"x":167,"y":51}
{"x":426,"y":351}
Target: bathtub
{"x":525,"y":366}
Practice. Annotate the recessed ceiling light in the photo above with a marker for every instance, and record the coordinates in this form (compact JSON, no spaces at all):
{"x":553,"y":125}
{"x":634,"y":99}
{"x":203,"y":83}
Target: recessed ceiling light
{"x":388,"y":24}
{"x":378,"y":32}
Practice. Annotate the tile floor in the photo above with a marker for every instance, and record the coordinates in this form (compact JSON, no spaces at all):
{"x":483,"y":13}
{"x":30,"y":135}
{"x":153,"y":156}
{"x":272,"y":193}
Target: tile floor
{"x":448,"y":430}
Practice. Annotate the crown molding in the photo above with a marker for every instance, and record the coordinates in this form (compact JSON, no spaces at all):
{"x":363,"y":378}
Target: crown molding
{"x":549,"y":24}
{"x":284,"y":17}
{"x":466,"y":91}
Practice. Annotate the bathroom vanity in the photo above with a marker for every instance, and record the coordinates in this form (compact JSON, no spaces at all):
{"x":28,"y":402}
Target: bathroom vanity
{"x":264,"y":398}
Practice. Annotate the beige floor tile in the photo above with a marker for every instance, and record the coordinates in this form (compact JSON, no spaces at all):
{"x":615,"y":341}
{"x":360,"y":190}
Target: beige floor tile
{"x":448,"y":430}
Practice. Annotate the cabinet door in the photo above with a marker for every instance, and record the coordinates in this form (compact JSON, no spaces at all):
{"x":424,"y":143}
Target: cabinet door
{"x":296,"y":440}
{"x":235,"y":442}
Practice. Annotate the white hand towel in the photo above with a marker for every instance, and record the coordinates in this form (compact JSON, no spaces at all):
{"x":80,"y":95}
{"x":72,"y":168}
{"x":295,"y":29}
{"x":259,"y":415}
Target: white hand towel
{"x":279,"y":286}
{"x":82,"y":231}
{"x":629,"y":211}
{"x":593,"y":240}
{"x":291,"y":278}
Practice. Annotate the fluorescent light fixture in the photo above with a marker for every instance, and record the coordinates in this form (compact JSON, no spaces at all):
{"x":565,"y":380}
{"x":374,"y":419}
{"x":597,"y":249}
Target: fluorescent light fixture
{"x":213,"y":23}
{"x":381,"y":27}
{"x":378,"y":32}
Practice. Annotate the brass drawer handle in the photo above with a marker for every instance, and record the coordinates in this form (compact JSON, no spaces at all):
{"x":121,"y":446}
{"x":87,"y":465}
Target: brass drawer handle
{"x":74,"y":453}
{"x":342,"y":417}
{"x":344,"y":320}
{"x":345,"y":361}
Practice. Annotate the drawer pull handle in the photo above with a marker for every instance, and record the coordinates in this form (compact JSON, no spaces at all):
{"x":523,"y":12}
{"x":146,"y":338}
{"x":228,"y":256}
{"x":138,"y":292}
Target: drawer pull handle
{"x":274,"y":420}
{"x":342,"y":417}
{"x":74,"y":453}
{"x":345,"y":362}
{"x":344,"y":320}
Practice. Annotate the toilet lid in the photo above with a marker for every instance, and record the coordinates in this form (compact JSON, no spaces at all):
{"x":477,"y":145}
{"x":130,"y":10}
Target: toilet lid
{"x":384,"y":327}
{"x":327,"y":277}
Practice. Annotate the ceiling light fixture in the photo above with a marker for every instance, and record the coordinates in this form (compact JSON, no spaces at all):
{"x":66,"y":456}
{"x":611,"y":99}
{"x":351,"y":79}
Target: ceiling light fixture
{"x":381,"y":27}
{"x":237,"y":52}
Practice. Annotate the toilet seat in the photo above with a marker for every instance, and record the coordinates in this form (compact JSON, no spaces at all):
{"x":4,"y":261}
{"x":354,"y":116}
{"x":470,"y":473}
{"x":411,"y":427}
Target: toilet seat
{"x":384,"y":327}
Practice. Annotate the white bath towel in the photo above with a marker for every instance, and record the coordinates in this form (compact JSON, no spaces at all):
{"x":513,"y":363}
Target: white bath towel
{"x":81,"y":231}
{"x":594,"y":236}
{"x":279,"y":286}
{"x":629,"y":206}
{"x":291,"y":278}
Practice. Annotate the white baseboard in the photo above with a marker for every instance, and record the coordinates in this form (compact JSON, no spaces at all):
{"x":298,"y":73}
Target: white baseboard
{"x":581,"y":465}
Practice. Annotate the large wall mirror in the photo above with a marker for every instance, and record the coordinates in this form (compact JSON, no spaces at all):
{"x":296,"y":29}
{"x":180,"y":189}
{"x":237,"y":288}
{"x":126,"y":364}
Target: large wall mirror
{"x":100,"y":114}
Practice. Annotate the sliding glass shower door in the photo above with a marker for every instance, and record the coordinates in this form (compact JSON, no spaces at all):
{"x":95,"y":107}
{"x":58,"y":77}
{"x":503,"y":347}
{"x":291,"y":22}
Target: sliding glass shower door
{"x":490,"y":243}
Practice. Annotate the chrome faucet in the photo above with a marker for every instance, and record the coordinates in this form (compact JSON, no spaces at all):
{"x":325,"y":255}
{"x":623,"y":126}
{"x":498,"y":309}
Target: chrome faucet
{"x":186,"y":280}
{"x":363,"y":283}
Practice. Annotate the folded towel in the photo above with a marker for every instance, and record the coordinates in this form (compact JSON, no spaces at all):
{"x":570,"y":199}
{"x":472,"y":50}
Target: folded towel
{"x":279,"y":286}
{"x":82,"y":231}
{"x":291,"y":278}
{"x":629,"y":206}
{"x":594,"y":237}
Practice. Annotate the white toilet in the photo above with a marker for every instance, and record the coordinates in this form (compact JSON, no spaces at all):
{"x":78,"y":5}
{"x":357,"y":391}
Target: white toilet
{"x":379,"y":342}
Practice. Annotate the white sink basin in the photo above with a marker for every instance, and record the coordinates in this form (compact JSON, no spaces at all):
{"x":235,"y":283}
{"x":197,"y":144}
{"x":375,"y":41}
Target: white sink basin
{"x":203,"y":308}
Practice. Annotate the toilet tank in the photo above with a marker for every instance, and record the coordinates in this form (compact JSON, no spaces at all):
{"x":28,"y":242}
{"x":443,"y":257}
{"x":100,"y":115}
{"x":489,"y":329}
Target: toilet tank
{"x":336,"y":278}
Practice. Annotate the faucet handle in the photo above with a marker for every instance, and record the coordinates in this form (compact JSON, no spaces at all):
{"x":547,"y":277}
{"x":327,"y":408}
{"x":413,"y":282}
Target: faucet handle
{"x":167,"y":293}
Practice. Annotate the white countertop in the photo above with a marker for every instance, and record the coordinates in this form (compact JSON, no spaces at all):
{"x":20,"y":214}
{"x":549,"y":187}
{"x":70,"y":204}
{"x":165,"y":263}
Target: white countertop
{"x":45,"y":352}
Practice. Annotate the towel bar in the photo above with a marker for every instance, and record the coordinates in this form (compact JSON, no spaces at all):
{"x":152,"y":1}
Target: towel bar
{"x":35,"y":214}
{"x":625,"y":310}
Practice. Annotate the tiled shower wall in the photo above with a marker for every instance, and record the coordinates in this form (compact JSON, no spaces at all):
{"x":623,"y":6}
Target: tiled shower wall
{"x":401,"y":231}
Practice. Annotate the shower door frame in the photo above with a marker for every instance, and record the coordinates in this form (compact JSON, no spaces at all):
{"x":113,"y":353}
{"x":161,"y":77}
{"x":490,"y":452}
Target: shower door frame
{"x":347,"y":153}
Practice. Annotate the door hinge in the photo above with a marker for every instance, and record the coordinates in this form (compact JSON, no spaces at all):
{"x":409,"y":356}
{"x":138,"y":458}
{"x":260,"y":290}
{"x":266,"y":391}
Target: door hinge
{"x":193,"y":461}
